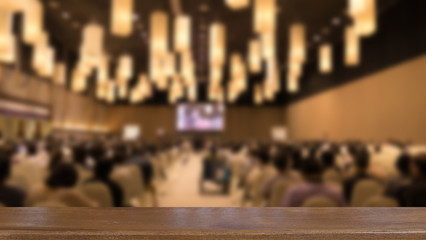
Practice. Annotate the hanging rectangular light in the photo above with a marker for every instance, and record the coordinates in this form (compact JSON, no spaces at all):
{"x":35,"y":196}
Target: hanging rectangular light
{"x":122,"y":17}
{"x":182,"y":33}
{"x":264,"y":16}
{"x":103,"y":68}
{"x":237,"y":4}
{"x":8,"y":53}
{"x":217,"y":48}
{"x":159,"y":34}
{"x":91,"y":49}
{"x":33,"y":21}
{"x":111,"y":92}
{"x":78,"y":83}
{"x":125,"y":67}
{"x":325,"y":58}
{"x":352,"y":47}
{"x":5,"y":29}
{"x":192,"y":93}
{"x":145,"y":86}
{"x":38,"y":56}
{"x":60,"y":74}
{"x":268,"y":45}
{"x":365,"y":17}
{"x":258,"y":94}
{"x":170,"y":64}
{"x":255,"y":56}
{"x":46,"y":70}
{"x":297,"y":43}
{"x":292,"y":84}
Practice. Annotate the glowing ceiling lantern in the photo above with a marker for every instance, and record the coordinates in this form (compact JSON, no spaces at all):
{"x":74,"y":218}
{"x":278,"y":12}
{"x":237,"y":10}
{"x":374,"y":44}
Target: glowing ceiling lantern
{"x":325,"y":53}
{"x":47,"y":69}
{"x":170,"y":64}
{"x":60,"y":74}
{"x":233,"y":92}
{"x":91,"y":49}
{"x":38,"y":56}
{"x":258,"y":94}
{"x":264,"y":16}
{"x":111,"y":92}
{"x":238,"y":72}
{"x":159,"y":34}
{"x":125,"y":67}
{"x":103,"y":68}
{"x":255,"y":56}
{"x":33,"y":21}
{"x":292,"y":84}
{"x":182,"y":33}
{"x":187,"y":70}
{"x":192,"y":92}
{"x":122,"y":17}
{"x":8,"y":53}
{"x":365,"y":17}
{"x":12,"y":5}
{"x":102,"y":89}
{"x":268,"y":45}
{"x":352,"y":47}
{"x":7,"y":39}
{"x":144,"y":86}
{"x":237,"y":4}
{"x":176,"y":90}
{"x":297,"y":43}
{"x":295,"y":68}
{"x":5,"y":29}
{"x":217,"y":48}
{"x":78,"y":83}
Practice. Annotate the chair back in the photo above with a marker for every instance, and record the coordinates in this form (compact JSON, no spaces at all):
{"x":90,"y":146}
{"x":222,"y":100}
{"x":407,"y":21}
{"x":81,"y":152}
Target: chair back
{"x":381,"y":201}
{"x":128,"y":179}
{"x":278,"y":192}
{"x":83,"y":175}
{"x":332,"y":176}
{"x":98,"y":192}
{"x":364,"y":190}
{"x":319,"y":202}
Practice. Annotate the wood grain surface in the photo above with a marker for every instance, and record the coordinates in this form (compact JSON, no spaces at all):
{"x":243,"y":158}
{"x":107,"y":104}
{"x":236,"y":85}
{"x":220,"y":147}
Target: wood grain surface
{"x":212,"y":223}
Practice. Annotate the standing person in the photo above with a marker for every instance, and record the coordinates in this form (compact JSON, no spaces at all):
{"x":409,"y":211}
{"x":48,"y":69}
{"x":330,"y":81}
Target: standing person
{"x":9,"y":196}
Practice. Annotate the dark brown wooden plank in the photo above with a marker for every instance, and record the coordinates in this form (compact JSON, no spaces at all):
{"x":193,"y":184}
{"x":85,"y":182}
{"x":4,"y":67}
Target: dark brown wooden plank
{"x":212,"y":223}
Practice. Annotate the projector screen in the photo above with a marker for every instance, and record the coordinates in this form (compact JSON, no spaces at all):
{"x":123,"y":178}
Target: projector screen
{"x":200,"y":117}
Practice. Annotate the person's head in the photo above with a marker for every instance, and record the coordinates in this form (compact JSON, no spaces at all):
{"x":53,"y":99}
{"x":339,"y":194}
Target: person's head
{"x":418,"y":166}
{"x":262,"y":156}
{"x":4,"y":169}
{"x":31,"y":149}
{"x":362,"y":161}
{"x":62,"y":176}
{"x":56,"y":158}
{"x":103,"y":169}
{"x":328,"y":159}
{"x":281,"y":162}
{"x":312,"y":170}
{"x":403,"y":164}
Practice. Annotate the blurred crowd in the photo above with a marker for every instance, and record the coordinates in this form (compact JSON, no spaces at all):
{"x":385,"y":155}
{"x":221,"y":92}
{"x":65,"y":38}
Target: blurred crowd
{"x":113,"y":173}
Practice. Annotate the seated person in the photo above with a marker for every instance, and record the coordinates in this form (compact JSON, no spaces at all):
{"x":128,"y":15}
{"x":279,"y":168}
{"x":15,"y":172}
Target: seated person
{"x":59,"y":188}
{"x":396,"y":187}
{"x":103,"y":170}
{"x":285,"y":173}
{"x":313,"y":187}
{"x":9,"y":196}
{"x":361,"y":164}
{"x":415,"y":193}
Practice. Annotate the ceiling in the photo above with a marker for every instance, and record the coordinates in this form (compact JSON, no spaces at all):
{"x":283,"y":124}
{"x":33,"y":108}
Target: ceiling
{"x":64,"y":20}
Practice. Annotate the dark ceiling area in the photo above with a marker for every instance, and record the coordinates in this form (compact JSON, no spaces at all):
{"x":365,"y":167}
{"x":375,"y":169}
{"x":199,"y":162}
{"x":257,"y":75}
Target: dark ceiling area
{"x":401,"y":29}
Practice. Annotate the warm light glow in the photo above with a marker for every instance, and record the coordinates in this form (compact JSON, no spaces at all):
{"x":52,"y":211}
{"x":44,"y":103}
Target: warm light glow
{"x":237,"y":4}
{"x":103,"y":68}
{"x":255,"y":56}
{"x":47,"y":69}
{"x":176,"y":90}
{"x":365,"y":17}
{"x":264,"y":16}
{"x":5,"y":29}
{"x":8,"y":53}
{"x":297,"y":43}
{"x":91,"y":49}
{"x":292,"y":83}
{"x":217,"y":45}
{"x":39,"y":52}
{"x":111,"y":92}
{"x":122,"y":17}
{"x":79,"y":82}
{"x":60,"y":74}
{"x":268,"y":45}
{"x":125,"y":67}
{"x":258,"y":94}
{"x":13,"y":5}
{"x":33,"y":21}
{"x":182,"y":33}
{"x":325,"y":58}
{"x":192,"y":93}
{"x":159,"y":34}
{"x":170,"y":64}
{"x":352,"y":47}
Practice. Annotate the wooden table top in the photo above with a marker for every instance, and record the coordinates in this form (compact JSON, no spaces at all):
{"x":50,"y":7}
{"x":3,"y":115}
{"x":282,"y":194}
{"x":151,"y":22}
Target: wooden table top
{"x":212,"y":223}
